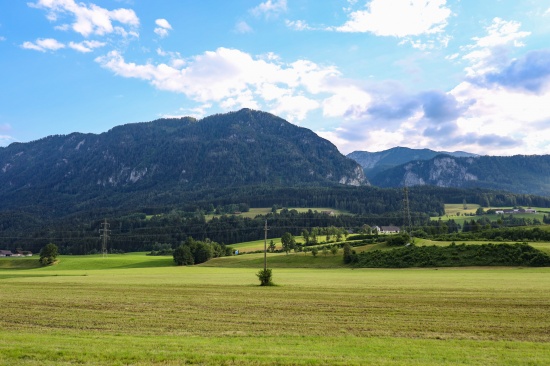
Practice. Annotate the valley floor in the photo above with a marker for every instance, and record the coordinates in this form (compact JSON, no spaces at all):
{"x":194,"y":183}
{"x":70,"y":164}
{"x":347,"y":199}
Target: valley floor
{"x":137,"y":310}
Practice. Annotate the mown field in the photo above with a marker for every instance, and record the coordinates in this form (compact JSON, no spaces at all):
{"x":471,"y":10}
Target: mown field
{"x":451,"y":211}
{"x":137,"y":310}
{"x":265,"y":210}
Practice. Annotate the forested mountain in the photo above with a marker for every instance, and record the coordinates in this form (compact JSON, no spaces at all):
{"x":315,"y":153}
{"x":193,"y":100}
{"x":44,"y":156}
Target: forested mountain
{"x":79,"y":171}
{"x":376,"y":162}
{"x":59,"y":189}
{"x":518,"y":174}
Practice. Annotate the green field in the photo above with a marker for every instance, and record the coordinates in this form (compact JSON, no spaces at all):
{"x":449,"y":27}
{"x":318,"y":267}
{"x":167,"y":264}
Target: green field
{"x":137,"y":310}
{"x":265,"y":210}
{"x":451,"y":211}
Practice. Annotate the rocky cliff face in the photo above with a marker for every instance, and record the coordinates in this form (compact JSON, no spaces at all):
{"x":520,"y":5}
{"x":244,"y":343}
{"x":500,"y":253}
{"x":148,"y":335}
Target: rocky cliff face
{"x":518,"y":174}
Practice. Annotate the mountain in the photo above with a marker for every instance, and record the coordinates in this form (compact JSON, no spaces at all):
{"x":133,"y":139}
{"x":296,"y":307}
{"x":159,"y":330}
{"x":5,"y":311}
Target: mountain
{"x":376,"y":162}
{"x":225,"y":150}
{"x":519,"y":174}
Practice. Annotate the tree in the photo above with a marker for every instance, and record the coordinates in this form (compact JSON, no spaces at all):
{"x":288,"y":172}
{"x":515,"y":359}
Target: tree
{"x":48,"y":254}
{"x":347,"y":253}
{"x":334,"y":250}
{"x":183,"y":256}
{"x":325,"y":251}
{"x":314,"y":251}
{"x":265,"y":277}
{"x":288,"y":242}
{"x":203,"y":252}
{"x":305,"y":234}
{"x":272,"y":246}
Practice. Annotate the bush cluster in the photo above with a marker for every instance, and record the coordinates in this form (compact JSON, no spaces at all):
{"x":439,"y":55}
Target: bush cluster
{"x":195,"y":252}
{"x":451,"y":256}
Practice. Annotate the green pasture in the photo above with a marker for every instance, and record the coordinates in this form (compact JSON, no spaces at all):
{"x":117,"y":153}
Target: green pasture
{"x":133,"y":309}
{"x":265,"y":210}
{"x":451,"y":211}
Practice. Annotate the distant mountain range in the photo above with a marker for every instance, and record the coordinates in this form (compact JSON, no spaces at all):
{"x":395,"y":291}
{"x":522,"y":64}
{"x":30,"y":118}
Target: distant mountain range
{"x":376,"y":162}
{"x":400,"y":167}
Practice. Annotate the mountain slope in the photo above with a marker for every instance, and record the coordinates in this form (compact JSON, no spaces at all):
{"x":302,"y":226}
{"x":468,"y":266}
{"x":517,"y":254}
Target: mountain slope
{"x":226,"y":150}
{"x":375,"y":162}
{"x":518,"y":174}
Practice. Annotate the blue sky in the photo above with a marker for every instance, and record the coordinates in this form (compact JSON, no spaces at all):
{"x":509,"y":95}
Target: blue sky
{"x":367,"y":75}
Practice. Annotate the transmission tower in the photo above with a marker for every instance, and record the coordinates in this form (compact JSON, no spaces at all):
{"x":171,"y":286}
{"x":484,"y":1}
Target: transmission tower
{"x":104,"y":236}
{"x":407,"y":213}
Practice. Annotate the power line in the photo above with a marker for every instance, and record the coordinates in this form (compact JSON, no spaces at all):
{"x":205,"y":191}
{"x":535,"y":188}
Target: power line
{"x":105,"y":236}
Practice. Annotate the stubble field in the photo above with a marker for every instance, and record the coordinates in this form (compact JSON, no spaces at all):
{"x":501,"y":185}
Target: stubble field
{"x":137,"y":310}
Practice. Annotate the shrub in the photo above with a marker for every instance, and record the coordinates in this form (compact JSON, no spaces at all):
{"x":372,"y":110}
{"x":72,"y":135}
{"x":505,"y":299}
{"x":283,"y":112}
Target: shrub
{"x":265,"y":277}
{"x":48,"y":254}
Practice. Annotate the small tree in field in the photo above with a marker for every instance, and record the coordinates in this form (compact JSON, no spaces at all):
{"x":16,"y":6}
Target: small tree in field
{"x":334,"y":250}
{"x":265,"y":277}
{"x":272,"y":246}
{"x":48,"y":254}
{"x":314,"y":251}
{"x":288,"y":242}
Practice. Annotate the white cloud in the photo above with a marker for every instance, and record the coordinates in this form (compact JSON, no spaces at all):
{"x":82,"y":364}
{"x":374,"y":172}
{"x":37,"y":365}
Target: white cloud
{"x":298,"y":25}
{"x":270,"y":8}
{"x":5,"y":139}
{"x":503,"y":107}
{"x":2,"y":39}
{"x":43,"y":45}
{"x":90,"y":19}
{"x":163,"y":27}
{"x":399,"y":18}
{"x":86,"y":46}
{"x":243,"y":27}
{"x":232,"y":78}
{"x":490,"y":52}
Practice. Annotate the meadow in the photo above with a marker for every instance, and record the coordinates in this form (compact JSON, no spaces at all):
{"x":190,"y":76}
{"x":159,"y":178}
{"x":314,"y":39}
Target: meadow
{"x":253,"y":212}
{"x":457,"y":213}
{"x":133,"y":309}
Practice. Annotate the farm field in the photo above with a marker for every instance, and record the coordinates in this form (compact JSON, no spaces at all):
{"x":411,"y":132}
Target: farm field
{"x":265,"y":210}
{"x":451,"y":211}
{"x":137,"y":310}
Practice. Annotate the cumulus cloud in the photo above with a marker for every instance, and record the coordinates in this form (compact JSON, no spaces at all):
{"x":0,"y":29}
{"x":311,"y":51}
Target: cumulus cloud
{"x":235,"y":79}
{"x":163,"y":27}
{"x":269,"y":8}
{"x":43,"y":45}
{"x":90,"y":19}
{"x":399,"y":18}
{"x":502,"y":106}
{"x":2,"y":38}
{"x":86,"y":46}
{"x":530,"y":73}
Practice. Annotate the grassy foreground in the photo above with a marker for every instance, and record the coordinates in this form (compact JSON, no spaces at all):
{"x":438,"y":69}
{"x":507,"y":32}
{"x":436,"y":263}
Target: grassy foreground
{"x":137,"y":310}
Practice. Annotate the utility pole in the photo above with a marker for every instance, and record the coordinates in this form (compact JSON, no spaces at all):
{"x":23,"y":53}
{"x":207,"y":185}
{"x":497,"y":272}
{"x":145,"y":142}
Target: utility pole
{"x":407,"y":213}
{"x":105,"y":236}
{"x":265,"y":246}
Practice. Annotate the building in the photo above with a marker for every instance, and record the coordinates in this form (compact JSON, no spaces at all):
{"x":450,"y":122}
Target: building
{"x":6,"y":253}
{"x":389,"y":230}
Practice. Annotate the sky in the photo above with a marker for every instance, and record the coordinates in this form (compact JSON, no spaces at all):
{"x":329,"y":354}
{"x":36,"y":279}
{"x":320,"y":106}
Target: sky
{"x":367,"y":75}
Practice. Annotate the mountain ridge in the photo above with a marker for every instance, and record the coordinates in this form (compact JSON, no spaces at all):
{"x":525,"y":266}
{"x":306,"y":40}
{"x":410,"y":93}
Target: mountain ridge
{"x":239,"y":148}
